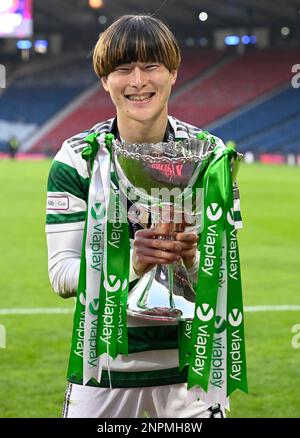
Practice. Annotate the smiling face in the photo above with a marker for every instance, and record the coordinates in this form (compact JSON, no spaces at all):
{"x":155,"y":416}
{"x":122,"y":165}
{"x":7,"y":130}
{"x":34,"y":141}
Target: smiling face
{"x":137,"y":58}
{"x":140,"y":90}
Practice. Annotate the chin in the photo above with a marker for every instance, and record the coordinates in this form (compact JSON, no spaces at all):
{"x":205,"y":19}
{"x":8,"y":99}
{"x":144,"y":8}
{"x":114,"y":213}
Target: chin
{"x":145,"y":115}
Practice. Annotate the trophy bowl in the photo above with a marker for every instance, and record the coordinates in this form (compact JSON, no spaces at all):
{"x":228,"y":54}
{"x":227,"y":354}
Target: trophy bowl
{"x":159,"y":180}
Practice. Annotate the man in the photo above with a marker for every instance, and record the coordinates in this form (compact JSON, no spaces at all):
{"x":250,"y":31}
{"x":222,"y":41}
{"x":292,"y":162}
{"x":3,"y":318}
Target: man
{"x":13,"y":146}
{"x":136,"y":59}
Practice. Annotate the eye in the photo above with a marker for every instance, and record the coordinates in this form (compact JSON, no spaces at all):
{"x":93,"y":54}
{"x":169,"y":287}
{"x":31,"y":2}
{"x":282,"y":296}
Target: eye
{"x":151,"y":66}
{"x":123,"y":68}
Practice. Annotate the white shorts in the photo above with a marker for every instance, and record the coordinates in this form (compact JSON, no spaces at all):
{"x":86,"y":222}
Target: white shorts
{"x":167,"y":401}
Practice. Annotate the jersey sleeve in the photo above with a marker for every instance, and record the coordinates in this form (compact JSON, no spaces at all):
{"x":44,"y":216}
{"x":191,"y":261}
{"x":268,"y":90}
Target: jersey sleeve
{"x":67,"y":191}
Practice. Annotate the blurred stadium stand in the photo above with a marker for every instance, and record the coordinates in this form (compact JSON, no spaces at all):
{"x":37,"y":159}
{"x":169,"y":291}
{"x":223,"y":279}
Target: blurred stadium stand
{"x":238,"y":82}
{"x":239,"y":93}
{"x":194,"y":63}
{"x":260,"y":127}
{"x":38,"y":91}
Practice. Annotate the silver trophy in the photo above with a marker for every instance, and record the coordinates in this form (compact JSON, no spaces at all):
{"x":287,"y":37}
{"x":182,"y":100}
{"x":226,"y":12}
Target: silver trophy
{"x":159,"y":180}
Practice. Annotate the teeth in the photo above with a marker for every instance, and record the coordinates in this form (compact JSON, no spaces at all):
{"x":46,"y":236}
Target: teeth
{"x":140,"y":97}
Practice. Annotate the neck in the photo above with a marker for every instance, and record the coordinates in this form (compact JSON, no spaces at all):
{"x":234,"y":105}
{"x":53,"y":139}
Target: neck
{"x":134,"y":131}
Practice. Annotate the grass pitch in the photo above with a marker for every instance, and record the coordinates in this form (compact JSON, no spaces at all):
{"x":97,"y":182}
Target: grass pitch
{"x":33,"y":365}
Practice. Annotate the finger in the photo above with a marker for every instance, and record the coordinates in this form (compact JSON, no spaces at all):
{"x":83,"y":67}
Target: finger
{"x":151,"y":233}
{"x":166,"y":245}
{"x":188,"y":253}
{"x":187,"y":237}
{"x":189,"y":245}
{"x":157,"y":254}
{"x":161,"y":244}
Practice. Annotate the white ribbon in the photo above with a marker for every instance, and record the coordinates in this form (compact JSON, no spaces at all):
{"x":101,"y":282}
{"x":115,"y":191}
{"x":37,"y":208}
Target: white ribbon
{"x":94,"y":252}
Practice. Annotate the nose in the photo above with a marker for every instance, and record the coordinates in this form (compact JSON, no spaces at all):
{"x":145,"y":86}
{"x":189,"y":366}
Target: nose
{"x":138,"y":77}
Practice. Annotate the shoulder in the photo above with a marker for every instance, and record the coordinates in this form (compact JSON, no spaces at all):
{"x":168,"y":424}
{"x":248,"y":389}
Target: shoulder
{"x":68,"y":184}
{"x":70,"y":152}
{"x":186,"y":130}
{"x":77,"y":143}
{"x":183,"y":129}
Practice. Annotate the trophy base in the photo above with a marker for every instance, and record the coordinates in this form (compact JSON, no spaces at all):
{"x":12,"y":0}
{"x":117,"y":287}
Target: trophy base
{"x":157,"y":314}
{"x":150,"y":299}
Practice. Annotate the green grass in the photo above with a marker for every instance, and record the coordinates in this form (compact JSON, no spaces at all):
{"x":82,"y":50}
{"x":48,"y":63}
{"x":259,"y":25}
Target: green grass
{"x":33,"y":366}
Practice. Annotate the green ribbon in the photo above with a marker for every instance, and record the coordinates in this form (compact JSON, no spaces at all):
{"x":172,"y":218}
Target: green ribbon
{"x":111,"y":326}
{"x":184,"y":342}
{"x":207,"y":286}
{"x":236,"y":354}
{"x":112,"y":329}
{"x":75,"y":368}
{"x":217,"y":219}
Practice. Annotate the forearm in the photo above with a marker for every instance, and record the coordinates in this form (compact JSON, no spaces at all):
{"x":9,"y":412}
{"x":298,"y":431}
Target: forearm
{"x":64,"y":252}
{"x":64,"y":278}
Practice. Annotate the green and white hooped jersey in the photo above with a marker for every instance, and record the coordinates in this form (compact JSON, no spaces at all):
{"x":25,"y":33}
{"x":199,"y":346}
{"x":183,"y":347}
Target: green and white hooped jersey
{"x":152,"y":346}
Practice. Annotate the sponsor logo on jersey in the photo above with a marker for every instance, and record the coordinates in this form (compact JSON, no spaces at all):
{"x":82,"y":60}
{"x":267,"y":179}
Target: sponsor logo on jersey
{"x":57,"y":202}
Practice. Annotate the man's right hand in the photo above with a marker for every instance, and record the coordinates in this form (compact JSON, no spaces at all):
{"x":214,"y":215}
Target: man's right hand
{"x":149,"y":250}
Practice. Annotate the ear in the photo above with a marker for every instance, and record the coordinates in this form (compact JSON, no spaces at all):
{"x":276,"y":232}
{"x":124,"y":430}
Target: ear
{"x":174,"y":76}
{"x":104,"y":83}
